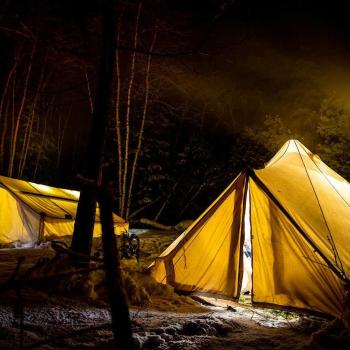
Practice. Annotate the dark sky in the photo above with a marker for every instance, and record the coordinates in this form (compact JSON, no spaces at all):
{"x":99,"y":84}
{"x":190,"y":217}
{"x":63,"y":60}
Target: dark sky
{"x":273,"y":57}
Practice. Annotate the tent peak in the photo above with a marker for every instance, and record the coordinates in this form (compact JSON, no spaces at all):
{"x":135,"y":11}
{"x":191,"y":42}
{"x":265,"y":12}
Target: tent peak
{"x":291,"y":146}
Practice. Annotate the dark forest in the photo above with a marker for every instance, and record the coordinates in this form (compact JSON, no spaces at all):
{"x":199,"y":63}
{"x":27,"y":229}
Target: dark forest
{"x":203,"y":90}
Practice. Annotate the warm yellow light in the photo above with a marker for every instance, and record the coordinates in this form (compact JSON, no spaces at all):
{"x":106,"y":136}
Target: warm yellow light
{"x":41,"y":188}
{"x":73,"y":193}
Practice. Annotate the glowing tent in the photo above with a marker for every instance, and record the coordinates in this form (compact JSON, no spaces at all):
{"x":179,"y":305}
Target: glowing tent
{"x":29,"y":212}
{"x":299,"y":211}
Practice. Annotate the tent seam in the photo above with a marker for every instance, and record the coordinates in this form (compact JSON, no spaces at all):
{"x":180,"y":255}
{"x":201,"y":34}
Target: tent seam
{"x":334,"y":248}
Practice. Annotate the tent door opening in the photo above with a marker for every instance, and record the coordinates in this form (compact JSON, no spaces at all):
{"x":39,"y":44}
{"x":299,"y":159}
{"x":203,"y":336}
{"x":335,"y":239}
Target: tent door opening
{"x":247,"y":250}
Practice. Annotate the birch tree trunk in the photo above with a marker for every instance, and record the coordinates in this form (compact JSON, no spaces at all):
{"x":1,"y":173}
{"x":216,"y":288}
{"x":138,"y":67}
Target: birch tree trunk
{"x":4,"y":114}
{"x":19,"y":114}
{"x":40,"y":151}
{"x":25,"y":144}
{"x":117,"y":122}
{"x":4,"y":92}
{"x":3,"y":134}
{"x":128,"y":111}
{"x":89,"y":89}
{"x":29,"y":128}
{"x":142,"y":127}
{"x":13,"y":110}
{"x":62,"y":126}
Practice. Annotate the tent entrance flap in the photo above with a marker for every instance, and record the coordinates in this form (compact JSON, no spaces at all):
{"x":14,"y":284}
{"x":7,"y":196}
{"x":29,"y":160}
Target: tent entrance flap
{"x":287,"y":271}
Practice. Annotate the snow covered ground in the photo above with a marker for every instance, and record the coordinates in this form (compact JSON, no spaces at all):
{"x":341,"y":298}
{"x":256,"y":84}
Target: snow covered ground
{"x":216,"y":328}
{"x":54,"y":320}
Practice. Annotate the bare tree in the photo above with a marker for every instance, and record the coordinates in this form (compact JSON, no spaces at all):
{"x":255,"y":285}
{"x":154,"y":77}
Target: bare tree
{"x":31,"y":117}
{"x":117,"y":121}
{"x":128,"y":111}
{"x":4,"y":113}
{"x":142,"y":126}
{"x":20,"y":113}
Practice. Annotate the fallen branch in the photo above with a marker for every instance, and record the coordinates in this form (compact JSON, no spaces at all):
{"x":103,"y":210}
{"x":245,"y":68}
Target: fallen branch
{"x":157,"y":224}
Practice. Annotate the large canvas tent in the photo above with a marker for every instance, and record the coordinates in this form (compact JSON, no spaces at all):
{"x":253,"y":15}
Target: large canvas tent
{"x":299,"y":211}
{"x":30,"y":211}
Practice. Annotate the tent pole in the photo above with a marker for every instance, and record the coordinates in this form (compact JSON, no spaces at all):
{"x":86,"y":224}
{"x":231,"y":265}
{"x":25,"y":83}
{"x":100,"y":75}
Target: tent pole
{"x":295,"y":224}
{"x":41,"y":227}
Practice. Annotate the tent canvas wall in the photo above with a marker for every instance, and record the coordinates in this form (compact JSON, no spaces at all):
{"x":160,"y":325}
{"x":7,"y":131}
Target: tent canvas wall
{"x":29,"y":212}
{"x":300,"y":229}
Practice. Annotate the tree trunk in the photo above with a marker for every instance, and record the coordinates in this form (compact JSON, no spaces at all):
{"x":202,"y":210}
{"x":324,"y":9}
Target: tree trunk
{"x":13,"y":111}
{"x":4,"y":115}
{"x":91,"y":102}
{"x":121,"y":325}
{"x":85,"y":217}
{"x":25,"y":145}
{"x":40,"y":151}
{"x":117,"y":123}
{"x":31,"y":118}
{"x":128,"y":111}
{"x":19,"y":115}
{"x":142,"y":127}
{"x":2,"y":143}
{"x":62,"y":127}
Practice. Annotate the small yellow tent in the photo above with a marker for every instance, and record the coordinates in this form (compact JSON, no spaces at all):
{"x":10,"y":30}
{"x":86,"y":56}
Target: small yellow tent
{"x":29,"y":212}
{"x":299,"y":212}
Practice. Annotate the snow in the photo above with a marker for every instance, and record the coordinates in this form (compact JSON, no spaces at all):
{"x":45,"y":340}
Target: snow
{"x":167,"y":321}
{"x":137,"y":231}
{"x":214,"y":329}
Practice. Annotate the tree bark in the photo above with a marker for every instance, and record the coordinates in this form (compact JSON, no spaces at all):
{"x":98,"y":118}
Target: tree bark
{"x":4,"y":115}
{"x":2,"y":142}
{"x":142,"y":127}
{"x":88,"y":86}
{"x":121,"y":325}
{"x":20,"y":112}
{"x":85,"y":217}
{"x":30,"y":122}
{"x":61,"y":131}
{"x":40,"y":151}
{"x":117,"y":124}
{"x":128,"y":111}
